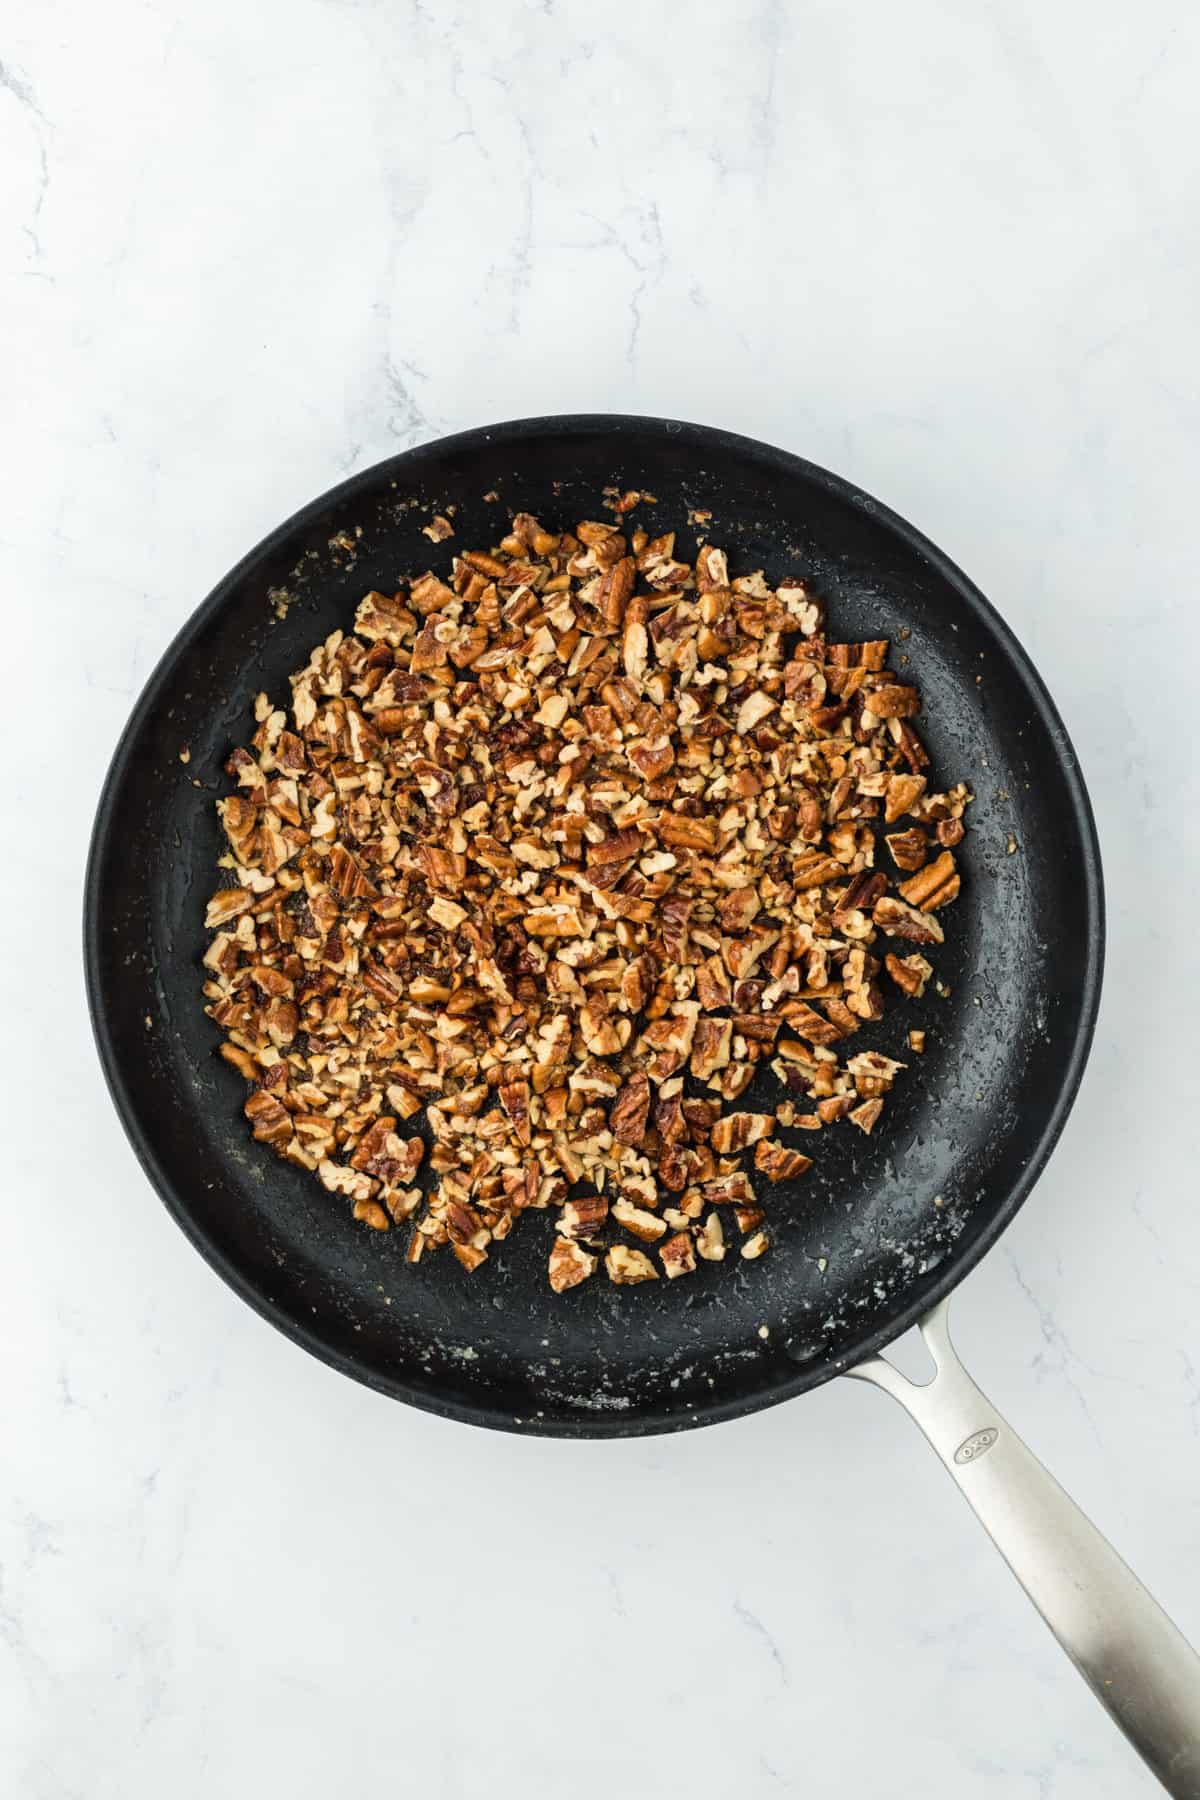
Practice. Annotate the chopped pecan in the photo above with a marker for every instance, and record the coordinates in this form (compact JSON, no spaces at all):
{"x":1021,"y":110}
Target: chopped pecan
{"x":736,"y":1130}
{"x":807,"y":1023}
{"x":686,"y":833}
{"x":637,"y":983}
{"x":630,"y":1110}
{"x":814,"y":869}
{"x":737,"y":910}
{"x":271,"y":1121}
{"x":514,"y":1098}
{"x":713,"y":988}
{"x":872,"y":1073}
{"x":583,"y":1217}
{"x":778,"y":1163}
{"x":903,"y":791}
{"x":910,"y":973}
{"x":909,"y":744}
{"x":569,"y":1264}
{"x":898,"y":919}
{"x":935,"y":885}
{"x":893,"y":701}
{"x":626,"y":1266}
{"x":226,"y":904}
{"x":471,"y":1255}
{"x":341,"y":1180}
{"x":651,"y":756}
{"x":909,"y":848}
{"x":864,"y":1116}
{"x":616,"y":586}
{"x":728,"y":1190}
{"x":245,"y":1064}
{"x":642,"y":1224}
{"x":678,"y":1255}
{"x":859,"y":896}
{"x":710,"y":1047}
{"x":635,"y":642}
{"x":369,"y":1212}
{"x":754,"y":709}
{"x":710,"y":1239}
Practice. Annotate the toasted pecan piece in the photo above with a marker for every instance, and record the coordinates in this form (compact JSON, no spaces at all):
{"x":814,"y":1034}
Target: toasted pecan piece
{"x":910,"y":973}
{"x":778,"y":1163}
{"x":627,"y":1266}
{"x":909,"y":848}
{"x":678,"y":1255}
{"x":737,"y":1130}
{"x":933,"y":886}
{"x":865,"y":1116}
{"x":898,"y":919}
{"x":569,"y":1264}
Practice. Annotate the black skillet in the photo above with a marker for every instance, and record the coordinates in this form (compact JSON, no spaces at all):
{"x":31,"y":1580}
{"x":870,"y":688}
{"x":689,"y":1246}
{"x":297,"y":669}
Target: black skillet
{"x":880,"y":1231}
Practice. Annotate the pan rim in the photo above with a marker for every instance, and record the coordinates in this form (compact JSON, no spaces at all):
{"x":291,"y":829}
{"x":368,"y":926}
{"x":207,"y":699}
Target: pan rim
{"x":597,"y":1425}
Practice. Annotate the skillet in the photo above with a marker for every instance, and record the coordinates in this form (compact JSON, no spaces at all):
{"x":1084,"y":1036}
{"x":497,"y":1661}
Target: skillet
{"x":883,"y":1228}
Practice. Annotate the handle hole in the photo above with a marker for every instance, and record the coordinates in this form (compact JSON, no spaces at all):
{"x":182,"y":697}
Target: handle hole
{"x":911,"y":1357}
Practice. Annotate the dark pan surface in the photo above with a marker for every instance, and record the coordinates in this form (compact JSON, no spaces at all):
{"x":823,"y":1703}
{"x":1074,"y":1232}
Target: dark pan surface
{"x":880,"y":1228}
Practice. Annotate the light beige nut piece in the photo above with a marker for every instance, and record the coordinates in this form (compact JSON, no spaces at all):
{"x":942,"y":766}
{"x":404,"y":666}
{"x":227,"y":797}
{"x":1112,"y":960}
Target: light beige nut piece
{"x":645,"y":1225}
{"x":569,"y":1264}
{"x":635,"y":640}
{"x":710,"y":1239}
{"x":872,"y":1073}
{"x":754,"y":709}
{"x":446,"y":913}
{"x":341,"y":1180}
{"x":627,"y":1266}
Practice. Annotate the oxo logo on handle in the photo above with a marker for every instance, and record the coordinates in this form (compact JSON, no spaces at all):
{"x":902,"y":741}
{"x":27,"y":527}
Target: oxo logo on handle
{"x":977,"y":1445}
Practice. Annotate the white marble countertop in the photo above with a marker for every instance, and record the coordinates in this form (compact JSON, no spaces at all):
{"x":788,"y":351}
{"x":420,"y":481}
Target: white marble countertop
{"x":244,"y":249}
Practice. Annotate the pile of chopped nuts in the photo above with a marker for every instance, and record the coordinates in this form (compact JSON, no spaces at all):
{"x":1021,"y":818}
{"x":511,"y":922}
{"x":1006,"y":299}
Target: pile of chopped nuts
{"x":553,"y":857}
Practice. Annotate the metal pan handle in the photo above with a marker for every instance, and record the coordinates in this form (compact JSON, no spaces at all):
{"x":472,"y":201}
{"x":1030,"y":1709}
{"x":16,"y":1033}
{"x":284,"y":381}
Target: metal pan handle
{"x":1130,"y":1654}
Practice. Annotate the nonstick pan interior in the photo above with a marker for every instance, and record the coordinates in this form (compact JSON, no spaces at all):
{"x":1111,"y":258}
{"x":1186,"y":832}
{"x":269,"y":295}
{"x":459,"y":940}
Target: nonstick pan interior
{"x":880,"y":1227}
